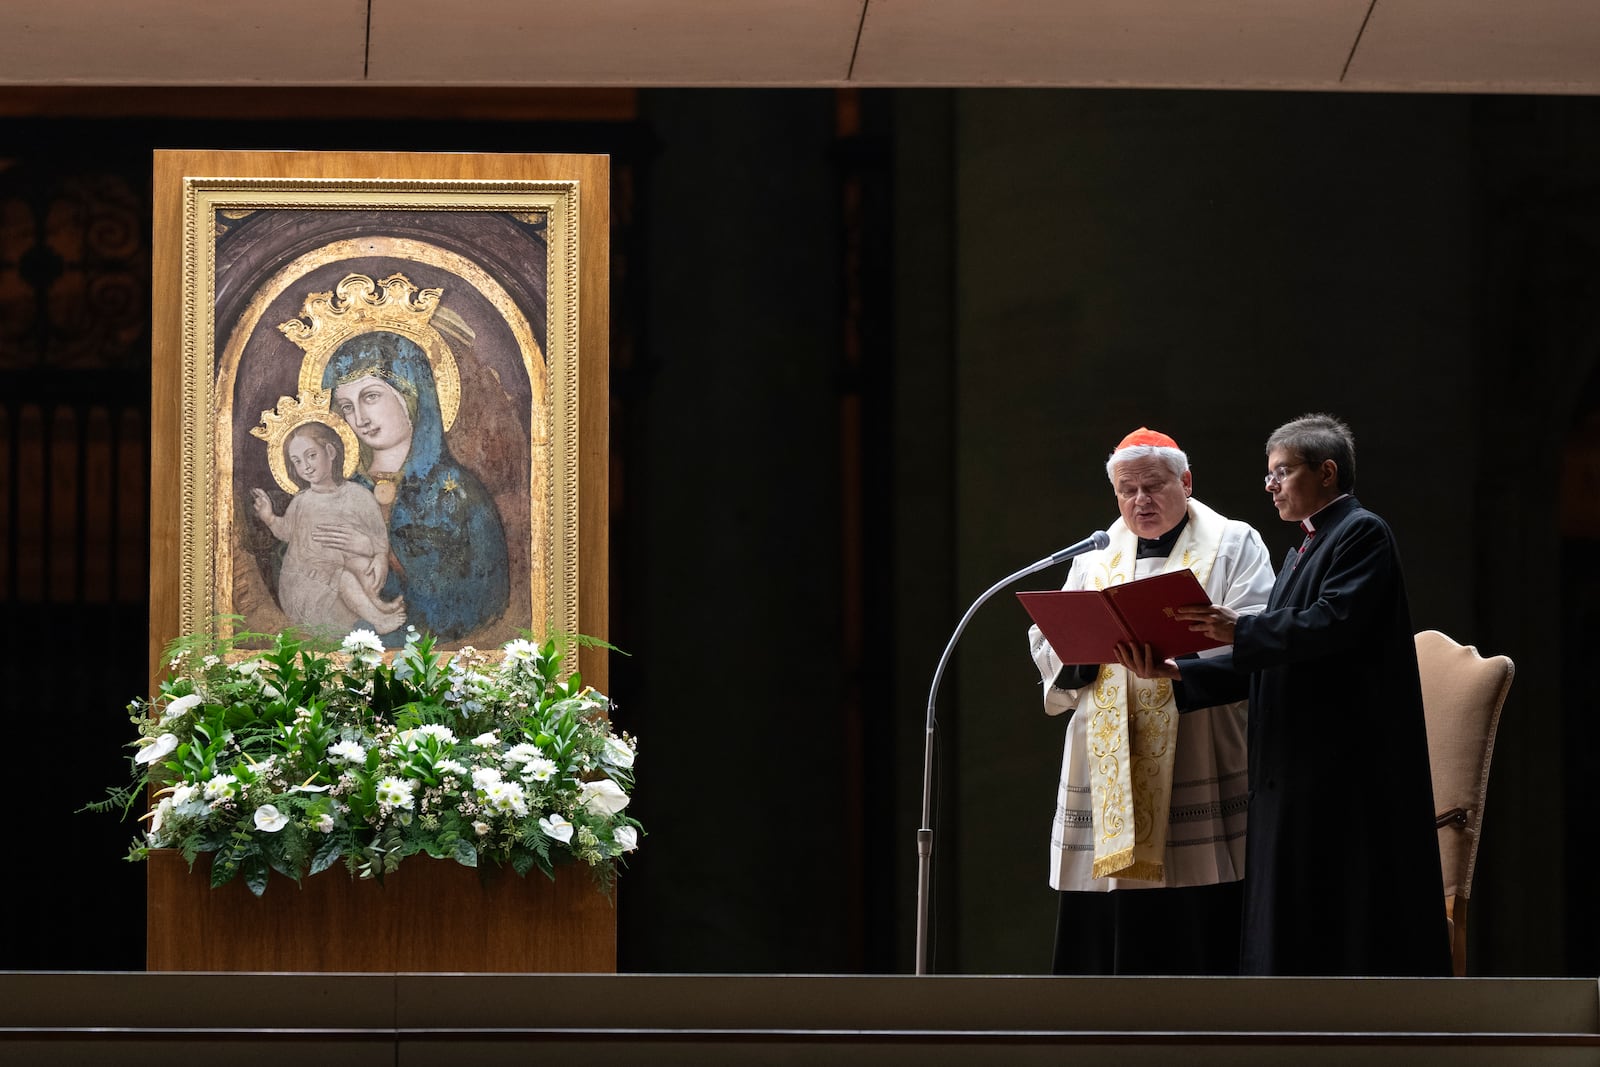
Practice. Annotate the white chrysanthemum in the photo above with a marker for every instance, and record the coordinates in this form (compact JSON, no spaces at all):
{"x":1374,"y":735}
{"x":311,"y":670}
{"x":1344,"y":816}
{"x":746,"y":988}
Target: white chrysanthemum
{"x":557,"y":827}
{"x":506,"y":798}
{"x":520,"y":651}
{"x":156,"y":749}
{"x":247,"y":668}
{"x":324,"y":823}
{"x":181,"y":706}
{"x":618,"y":753}
{"x":222,"y":787}
{"x":450,"y":766}
{"x":539,"y":770}
{"x":349,"y":751}
{"x":364,"y":645}
{"x":626,"y":837}
{"x":523,"y":753}
{"x":488,"y":740}
{"x":270,"y":820}
{"x":395,"y":792}
{"x":484,"y":777}
{"x":604,"y":797}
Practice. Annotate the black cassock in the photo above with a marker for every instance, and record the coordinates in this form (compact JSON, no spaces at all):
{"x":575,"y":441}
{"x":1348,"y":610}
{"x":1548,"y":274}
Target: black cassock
{"x":1342,"y":855}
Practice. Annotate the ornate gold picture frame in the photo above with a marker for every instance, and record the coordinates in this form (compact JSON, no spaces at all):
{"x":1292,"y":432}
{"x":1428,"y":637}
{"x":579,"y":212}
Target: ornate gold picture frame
{"x":379,"y":402}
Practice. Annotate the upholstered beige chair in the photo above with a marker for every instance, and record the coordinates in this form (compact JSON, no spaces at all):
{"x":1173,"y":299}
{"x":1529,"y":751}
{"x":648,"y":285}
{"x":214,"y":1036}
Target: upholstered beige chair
{"x":1462,"y":693}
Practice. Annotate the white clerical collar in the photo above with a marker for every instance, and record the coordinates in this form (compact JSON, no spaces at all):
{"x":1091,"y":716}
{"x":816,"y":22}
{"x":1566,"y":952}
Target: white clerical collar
{"x":1308,"y":525}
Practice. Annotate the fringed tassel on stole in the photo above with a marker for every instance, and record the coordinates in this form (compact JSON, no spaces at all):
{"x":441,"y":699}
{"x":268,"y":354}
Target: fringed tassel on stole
{"x":1106,"y":866}
{"x":1121,"y":864}
{"x":1144,"y":871}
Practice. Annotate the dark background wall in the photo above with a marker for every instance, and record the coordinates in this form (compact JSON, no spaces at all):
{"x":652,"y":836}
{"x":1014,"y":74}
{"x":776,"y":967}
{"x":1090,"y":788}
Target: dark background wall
{"x":870,"y":351}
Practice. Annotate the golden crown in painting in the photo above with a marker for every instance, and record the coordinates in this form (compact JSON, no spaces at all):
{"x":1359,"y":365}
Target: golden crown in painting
{"x":358,"y":305}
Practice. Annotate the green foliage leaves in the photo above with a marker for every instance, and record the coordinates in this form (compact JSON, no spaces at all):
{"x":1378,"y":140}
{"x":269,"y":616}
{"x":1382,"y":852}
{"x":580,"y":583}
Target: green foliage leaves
{"x":297,"y":758}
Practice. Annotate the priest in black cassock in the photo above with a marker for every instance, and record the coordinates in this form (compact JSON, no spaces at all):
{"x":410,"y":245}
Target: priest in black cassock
{"x":1342,"y":856}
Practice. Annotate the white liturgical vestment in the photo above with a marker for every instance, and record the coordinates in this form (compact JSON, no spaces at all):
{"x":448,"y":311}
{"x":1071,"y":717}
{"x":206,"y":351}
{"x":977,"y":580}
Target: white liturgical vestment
{"x":1205,"y":823}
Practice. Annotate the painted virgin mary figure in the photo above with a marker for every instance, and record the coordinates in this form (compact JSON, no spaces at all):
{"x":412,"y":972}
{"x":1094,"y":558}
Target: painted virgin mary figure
{"x":447,"y":544}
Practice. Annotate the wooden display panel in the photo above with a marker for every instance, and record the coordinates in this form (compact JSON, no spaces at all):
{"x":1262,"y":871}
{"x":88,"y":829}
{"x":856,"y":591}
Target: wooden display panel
{"x":531,"y":925}
{"x":430,"y":915}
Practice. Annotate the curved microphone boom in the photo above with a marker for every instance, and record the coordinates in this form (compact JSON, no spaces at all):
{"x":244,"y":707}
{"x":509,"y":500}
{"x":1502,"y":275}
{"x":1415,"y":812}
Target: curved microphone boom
{"x":1097,"y":540}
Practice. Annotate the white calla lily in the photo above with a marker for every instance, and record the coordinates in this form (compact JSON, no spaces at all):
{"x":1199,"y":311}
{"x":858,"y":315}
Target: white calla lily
{"x":161,"y":746}
{"x":270,"y":819}
{"x":181,"y":706}
{"x":604,"y":797}
{"x":557,"y":827}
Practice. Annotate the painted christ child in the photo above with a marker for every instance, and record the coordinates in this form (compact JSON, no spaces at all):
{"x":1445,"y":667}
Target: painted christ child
{"x":338,"y":544}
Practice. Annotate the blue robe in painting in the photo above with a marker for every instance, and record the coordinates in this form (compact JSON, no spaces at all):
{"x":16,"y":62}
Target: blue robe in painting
{"x":444,"y":530}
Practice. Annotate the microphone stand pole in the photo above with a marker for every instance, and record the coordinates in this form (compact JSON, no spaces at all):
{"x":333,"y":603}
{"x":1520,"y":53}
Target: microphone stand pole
{"x":925,"y":832}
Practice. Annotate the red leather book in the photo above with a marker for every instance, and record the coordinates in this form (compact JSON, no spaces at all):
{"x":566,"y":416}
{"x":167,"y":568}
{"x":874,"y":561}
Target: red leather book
{"x":1085,"y":625}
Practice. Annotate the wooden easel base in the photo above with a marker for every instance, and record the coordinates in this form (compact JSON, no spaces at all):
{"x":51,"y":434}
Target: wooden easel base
{"x":430,"y":915}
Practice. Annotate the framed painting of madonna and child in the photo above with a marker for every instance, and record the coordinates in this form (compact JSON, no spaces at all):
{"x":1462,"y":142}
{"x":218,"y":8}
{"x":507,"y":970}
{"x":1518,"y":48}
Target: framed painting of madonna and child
{"x":376,"y":369}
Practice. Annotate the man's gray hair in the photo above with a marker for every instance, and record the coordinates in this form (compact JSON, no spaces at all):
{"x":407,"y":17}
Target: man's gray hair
{"x":1175,"y":459}
{"x":1318,"y":437}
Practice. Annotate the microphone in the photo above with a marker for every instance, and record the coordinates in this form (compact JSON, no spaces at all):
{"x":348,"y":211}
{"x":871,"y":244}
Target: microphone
{"x":1098,"y":539}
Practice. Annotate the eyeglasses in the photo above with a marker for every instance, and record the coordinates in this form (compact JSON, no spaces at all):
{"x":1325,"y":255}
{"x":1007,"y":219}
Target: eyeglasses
{"x":1277,"y":474}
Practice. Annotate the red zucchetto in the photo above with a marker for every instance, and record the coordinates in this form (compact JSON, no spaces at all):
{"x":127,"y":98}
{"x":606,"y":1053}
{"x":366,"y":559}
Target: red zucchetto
{"x":1144,"y":435}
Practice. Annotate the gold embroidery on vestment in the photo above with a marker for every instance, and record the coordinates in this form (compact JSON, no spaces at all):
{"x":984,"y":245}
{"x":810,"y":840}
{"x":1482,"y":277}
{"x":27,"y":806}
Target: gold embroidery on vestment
{"x":1132,"y":733}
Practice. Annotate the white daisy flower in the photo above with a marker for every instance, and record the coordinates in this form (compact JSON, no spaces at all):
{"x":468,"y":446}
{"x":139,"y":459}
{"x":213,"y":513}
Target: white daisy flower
{"x":539,"y":770}
{"x":506,"y":798}
{"x":523,"y":753}
{"x":349,"y":751}
{"x":396,"y":792}
{"x":364,"y":645}
{"x":520,"y":651}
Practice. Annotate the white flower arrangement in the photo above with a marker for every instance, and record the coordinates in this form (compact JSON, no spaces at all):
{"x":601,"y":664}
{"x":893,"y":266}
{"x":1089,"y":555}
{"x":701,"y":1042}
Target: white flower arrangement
{"x":296,"y":759}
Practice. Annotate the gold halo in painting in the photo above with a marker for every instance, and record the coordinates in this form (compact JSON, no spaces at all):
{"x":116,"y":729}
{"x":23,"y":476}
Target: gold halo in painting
{"x":293,"y":412}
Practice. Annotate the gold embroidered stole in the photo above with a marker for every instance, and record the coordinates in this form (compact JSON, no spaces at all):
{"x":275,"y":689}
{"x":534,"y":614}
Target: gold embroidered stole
{"x":1132,"y":745}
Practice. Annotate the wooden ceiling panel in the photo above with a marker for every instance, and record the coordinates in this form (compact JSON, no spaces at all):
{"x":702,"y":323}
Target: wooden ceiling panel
{"x":1224,"y":43}
{"x":614,"y":42}
{"x":1545,"y":46}
{"x":176,"y":42}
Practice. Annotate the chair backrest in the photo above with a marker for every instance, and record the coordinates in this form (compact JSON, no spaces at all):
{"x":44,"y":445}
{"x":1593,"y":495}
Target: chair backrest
{"x":1462,"y":694}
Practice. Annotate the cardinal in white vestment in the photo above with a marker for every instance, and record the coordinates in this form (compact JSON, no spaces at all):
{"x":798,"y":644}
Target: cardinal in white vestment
{"x":1147,"y":846}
